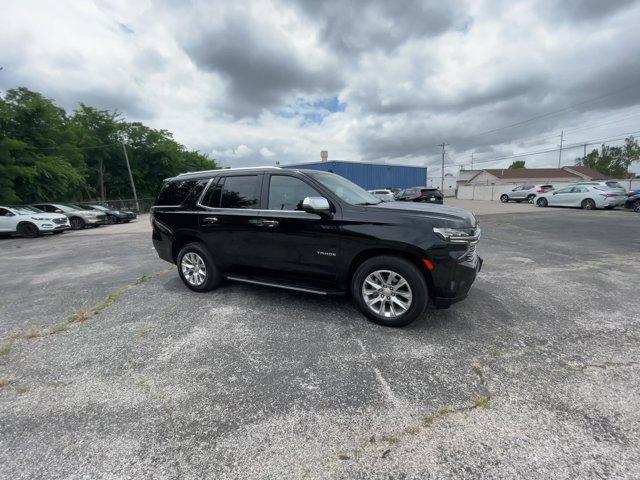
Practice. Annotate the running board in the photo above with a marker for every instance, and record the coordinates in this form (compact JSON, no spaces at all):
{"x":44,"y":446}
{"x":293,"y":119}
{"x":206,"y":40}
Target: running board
{"x":277,"y":285}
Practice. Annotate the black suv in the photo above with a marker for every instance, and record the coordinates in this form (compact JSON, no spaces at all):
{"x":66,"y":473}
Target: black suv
{"x":316,"y":232}
{"x":416,"y":194}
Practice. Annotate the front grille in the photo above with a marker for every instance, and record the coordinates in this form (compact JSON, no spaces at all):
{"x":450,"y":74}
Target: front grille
{"x":60,"y":221}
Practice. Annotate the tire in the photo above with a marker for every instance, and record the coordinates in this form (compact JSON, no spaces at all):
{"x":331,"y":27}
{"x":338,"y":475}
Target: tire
{"x":530,"y":198}
{"x":28,"y":230}
{"x":77,"y":223}
{"x":190,"y":255}
{"x":542,"y":202}
{"x":504,"y":198}
{"x":588,"y":204}
{"x":111,"y":219}
{"x":380,"y":270}
{"x":636,"y":206}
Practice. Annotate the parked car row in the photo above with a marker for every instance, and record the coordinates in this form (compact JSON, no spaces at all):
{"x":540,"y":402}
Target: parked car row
{"x":414,"y":194}
{"x":586,"y":195}
{"x":34,"y":220}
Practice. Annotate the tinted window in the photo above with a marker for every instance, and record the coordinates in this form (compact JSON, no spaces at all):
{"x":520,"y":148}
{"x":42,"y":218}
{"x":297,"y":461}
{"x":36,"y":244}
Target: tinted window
{"x":613,"y":185}
{"x":241,"y":192}
{"x":212,"y":197}
{"x":175,"y":192}
{"x":287,"y":193}
{"x":580,"y":189}
{"x":196,"y":191}
{"x":4,"y":212}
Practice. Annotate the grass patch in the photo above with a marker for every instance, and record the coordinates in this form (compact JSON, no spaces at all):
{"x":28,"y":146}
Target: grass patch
{"x":7,"y":347}
{"x":81,"y":315}
{"x":482,"y":402}
{"x":392,"y":440}
{"x":33,"y":332}
{"x":142,"y":279}
{"x":63,"y":327}
{"x":4,"y":381}
{"x":22,"y":390}
{"x":429,"y":420}
{"x":112,"y":297}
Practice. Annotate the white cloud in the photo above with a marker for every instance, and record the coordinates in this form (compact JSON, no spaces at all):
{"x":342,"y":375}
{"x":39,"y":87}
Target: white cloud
{"x":242,"y":81}
{"x":265,"y":152}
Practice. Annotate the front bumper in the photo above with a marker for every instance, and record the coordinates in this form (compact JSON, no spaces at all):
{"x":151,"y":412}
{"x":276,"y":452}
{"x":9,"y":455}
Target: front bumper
{"x":95,"y":221}
{"x":458,"y":283}
{"x":52,"y":227}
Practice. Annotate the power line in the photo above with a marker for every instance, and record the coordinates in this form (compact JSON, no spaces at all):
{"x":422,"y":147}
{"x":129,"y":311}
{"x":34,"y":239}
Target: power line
{"x":551,"y":150}
{"x":549,"y":114}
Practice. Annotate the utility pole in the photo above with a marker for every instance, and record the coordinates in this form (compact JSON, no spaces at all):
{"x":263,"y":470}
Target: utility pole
{"x":472,"y":160}
{"x":133,"y":185}
{"x":585,"y":151}
{"x":560,"y":154}
{"x":442,"y":180}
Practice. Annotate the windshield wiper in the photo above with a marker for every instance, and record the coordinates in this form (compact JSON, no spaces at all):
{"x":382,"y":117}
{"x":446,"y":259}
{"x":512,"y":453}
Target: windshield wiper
{"x":368,"y":203}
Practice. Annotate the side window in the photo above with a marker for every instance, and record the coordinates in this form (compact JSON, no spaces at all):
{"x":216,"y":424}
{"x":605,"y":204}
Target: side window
{"x":4,"y":212}
{"x":196,"y":191}
{"x":581,"y":189}
{"x":565,"y":190}
{"x":287,"y":193}
{"x":241,"y":192}
{"x":212,"y":196}
{"x":175,"y":192}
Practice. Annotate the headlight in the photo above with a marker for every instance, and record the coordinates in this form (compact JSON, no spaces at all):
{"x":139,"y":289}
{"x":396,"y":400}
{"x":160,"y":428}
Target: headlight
{"x":456,"y":235}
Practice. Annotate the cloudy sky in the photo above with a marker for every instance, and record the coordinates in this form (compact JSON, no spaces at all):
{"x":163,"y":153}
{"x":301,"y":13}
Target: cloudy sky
{"x":255,"y":82}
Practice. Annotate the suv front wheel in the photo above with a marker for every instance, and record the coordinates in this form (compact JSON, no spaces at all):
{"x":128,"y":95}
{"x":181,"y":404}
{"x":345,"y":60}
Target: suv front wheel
{"x":196,"y":268}
{"x":390,"y":291}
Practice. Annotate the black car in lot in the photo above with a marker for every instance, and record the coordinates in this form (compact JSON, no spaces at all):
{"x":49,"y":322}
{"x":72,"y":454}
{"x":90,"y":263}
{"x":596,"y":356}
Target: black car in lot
{"x":113,"y":216}
{"x":315,"y":232}
{"x":418,"y":194}
{"x":633,"y":200}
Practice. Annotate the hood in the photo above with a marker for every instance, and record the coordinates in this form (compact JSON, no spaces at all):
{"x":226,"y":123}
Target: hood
{"x":458,"y":216}
{"x":44,"y":215}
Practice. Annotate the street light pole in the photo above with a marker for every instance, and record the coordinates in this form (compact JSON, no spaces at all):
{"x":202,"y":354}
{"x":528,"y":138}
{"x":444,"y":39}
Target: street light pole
{"x":133,"y":185}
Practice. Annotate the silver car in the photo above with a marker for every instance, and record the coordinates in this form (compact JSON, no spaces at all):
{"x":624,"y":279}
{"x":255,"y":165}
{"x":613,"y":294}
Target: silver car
{"x":523,"y":193}
{"x":610,"y":184}
{"x":384,"y":195}
{"x":587,"y":197}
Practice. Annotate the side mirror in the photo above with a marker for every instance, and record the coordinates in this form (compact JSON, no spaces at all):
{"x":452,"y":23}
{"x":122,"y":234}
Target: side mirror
{"x":318,"y":205}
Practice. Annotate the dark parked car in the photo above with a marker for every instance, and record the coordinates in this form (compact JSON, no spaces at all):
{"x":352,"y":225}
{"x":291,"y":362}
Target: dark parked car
{"x":417,"y":194}
{"x":633,"y":200}
{"x":113,"y":216}
{"x":315,"y":232}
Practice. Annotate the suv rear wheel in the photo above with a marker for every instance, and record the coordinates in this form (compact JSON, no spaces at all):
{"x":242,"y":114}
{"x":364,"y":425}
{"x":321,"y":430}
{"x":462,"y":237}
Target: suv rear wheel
{"x":390,"y":291}
{"x":504,"y":198}
{"x":196,"y":268}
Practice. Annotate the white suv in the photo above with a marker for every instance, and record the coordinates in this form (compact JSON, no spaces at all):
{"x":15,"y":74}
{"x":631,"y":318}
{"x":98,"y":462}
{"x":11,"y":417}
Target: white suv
{"x":30,"y":222}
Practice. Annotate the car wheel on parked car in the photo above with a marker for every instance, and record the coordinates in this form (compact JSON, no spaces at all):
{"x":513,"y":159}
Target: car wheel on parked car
{"x":390,"y":291}
{"x":197,"y":269}
{"x":77,"y":223}
{"x":542,"y":202}
{"x":504,"y":198}
{"x":530,"y":198}
{"x":636,"y":207}
{"x":111,"y":219}
{"x":588,"y":204}
{"x":28,"y":230}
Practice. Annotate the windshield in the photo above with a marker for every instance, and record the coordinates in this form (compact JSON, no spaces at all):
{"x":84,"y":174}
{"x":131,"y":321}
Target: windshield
{"x":99,"y":207}
{"x":346,"y":190}
{"x":66,"y":208}
{"x":26,"y":210}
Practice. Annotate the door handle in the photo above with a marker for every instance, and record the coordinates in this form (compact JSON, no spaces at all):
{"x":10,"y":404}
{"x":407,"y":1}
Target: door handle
{"x":210,"y":220}
{"x":269,"y":223}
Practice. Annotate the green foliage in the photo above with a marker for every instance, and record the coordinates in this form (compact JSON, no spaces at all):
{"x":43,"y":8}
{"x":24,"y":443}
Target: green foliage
{"x":517,"y":164}
{"x":612,"y":161}
{"x":48,"y":155}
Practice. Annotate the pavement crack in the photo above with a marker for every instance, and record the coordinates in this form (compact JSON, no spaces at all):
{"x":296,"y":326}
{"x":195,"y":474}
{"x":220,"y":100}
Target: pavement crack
{"x":386,"y":389}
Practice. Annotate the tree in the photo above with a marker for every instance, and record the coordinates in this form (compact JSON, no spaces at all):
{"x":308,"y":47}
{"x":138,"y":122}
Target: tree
{"x":612,"y":161}
{"x":517,"y":164}
{"x":47,"y":155}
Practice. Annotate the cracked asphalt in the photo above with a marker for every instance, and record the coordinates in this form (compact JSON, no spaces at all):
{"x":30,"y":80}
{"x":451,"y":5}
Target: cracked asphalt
{"x":535,"y":375}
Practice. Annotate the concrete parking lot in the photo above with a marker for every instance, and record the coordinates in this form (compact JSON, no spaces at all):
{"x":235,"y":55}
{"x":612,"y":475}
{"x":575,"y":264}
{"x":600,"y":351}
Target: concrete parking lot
{"x":111,"y":368}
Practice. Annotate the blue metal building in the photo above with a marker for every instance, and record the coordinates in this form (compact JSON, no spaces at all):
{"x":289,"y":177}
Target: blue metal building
{"x":371,"y":175}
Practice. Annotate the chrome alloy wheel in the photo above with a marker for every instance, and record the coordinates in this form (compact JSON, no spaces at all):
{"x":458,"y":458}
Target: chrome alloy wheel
{"x":387,"y":293}
{"x":193,"y":269}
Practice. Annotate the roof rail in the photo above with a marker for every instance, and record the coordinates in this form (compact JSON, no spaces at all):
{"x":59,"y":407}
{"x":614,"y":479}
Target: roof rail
{"x":229,"y":170}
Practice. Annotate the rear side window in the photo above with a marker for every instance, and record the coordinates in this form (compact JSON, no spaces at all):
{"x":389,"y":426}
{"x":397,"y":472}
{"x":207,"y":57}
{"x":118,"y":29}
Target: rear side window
{"x":613,"y":185}
{"x":287,"y":193}
{"x":175,"y":192}
{"x":241,"y":192}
